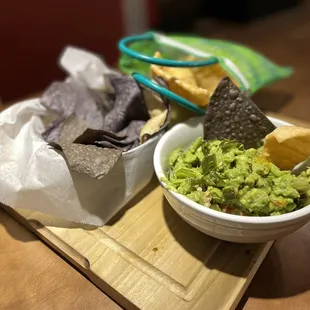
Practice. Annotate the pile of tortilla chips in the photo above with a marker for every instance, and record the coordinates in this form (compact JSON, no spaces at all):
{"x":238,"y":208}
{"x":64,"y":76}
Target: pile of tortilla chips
{"x":194,"y":84}
{"x":93,"y":128}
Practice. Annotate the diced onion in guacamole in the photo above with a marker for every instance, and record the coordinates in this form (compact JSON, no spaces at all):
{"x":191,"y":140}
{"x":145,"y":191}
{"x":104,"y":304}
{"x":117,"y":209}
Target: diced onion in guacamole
{"x":224,"y":176}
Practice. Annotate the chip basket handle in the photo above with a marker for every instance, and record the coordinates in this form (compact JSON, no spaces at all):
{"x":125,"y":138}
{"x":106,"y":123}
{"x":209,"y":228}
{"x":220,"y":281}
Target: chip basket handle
{"x":122,"y":45}
{"x":167,"y":93}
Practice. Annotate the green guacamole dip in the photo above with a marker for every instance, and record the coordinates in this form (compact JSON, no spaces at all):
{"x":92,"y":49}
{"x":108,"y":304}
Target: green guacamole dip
{"x":224,"y":176}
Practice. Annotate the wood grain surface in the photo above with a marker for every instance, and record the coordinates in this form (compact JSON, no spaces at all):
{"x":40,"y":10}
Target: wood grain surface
{"x":33,"y":277}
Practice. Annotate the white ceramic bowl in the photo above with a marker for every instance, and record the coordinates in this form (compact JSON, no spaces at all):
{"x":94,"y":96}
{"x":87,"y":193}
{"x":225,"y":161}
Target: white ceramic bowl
{"x":234,"y":228}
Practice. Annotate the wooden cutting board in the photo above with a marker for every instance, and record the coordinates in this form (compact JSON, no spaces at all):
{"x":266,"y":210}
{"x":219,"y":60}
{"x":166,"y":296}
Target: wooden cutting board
{"x":147,"y":257}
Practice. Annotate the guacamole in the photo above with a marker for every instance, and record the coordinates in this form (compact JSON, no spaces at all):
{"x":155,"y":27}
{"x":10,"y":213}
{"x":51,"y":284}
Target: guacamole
{"x":224,"y":176}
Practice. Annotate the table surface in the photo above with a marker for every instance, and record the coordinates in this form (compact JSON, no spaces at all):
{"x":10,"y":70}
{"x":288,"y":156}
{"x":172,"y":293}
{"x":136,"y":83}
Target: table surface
{"x":32,"y":276}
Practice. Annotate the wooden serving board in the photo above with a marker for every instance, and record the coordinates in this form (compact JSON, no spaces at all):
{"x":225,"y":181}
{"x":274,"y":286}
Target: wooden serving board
{"x":147,"y":257}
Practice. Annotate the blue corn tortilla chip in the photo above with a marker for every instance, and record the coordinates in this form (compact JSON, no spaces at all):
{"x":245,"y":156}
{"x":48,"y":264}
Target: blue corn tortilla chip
{"x":70,"y":98}
{"x":53,"y":131}
{"x":128,"y":105}
{"x":232,"y":115}
{"x":89,"y":120}
{"x":129,"y":109}
{"x":71,"y":129}
{"x":88,"y":159}
{"x":125,"y":139}
{"x":99,"y":112}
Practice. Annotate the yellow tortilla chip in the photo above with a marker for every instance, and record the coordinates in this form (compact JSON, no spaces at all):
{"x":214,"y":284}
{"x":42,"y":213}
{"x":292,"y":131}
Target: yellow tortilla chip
{"x":208,"y":77}
{"x":182,"y":82}
{"x":184,"y":74}
{"x":153,"y":125}
{"x":194,"y":84}
{"x":287,"y":146}
{"x":154,"y":103}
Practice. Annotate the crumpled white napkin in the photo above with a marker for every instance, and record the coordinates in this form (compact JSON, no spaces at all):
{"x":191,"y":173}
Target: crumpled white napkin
{"x":34,"y":176}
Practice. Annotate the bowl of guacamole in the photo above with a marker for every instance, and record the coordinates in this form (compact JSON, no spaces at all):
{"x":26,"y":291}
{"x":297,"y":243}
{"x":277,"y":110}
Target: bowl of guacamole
{"x":228,"y":191}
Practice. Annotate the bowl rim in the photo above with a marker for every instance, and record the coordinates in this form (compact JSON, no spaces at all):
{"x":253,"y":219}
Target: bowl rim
{"x":240,"y":219}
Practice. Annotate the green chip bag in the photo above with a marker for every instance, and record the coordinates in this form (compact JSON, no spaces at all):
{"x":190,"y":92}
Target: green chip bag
{"x":252,"y":70}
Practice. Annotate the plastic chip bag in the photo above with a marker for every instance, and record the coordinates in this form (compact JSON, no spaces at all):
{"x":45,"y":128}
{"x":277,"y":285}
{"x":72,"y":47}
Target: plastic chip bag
{"x":249,"y":68}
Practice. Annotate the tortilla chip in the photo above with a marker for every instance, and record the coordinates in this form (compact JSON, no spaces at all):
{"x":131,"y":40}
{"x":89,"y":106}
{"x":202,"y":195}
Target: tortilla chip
{"x":70,"y":98}
{"x":159,"y":111}
{"x":234,"y":116}
{"x":287,"y":146}
{"x":153,"y":125}
{"x":208,"y":77}
{"x":176,"y":113}
{"x":53,"y":131}
{"x":91,"y":160}
{"x":70,"y":130}
{"x":125,"y":139}
{"x":184,"y":74}
{"x":182,"y":82}
{"x":196,"y":84}
{"x":154,"y":102}
{"x":88,"y":159}
{"x":132,"y":132}
{"x":93,"y":129}
{"x":128,"y":105}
